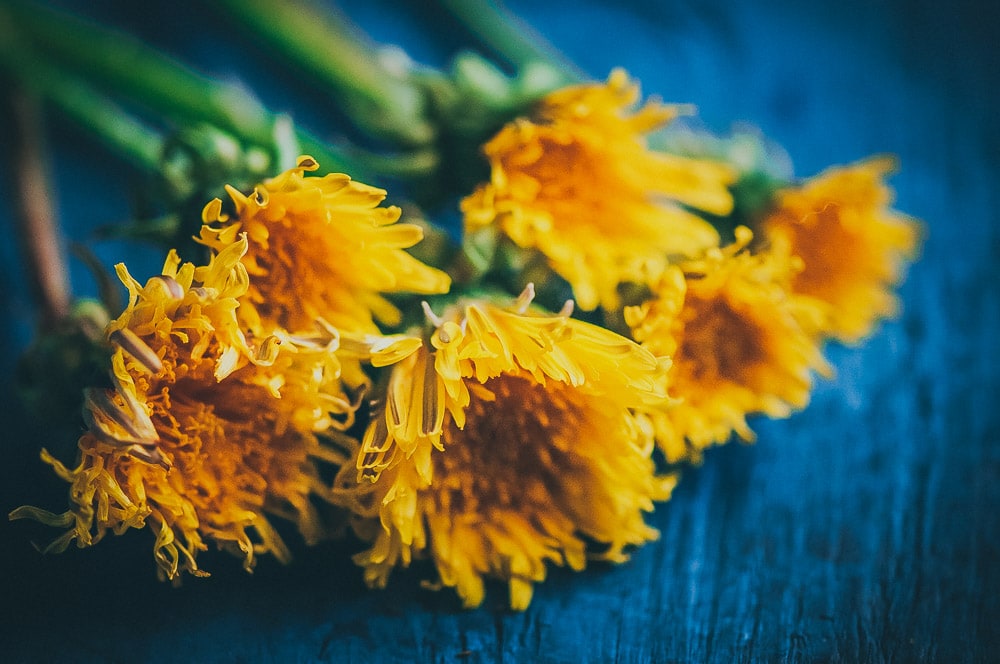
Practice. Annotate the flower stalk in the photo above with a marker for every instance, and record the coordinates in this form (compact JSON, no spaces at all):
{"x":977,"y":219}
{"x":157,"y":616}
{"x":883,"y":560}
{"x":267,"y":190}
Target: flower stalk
{"x":67,"y":348}
{"x":380,"y":99}
{"x":509,"y":37}
{"x":138,"y":142}
{"x":134,"y":70}
{"x":40,"y":236}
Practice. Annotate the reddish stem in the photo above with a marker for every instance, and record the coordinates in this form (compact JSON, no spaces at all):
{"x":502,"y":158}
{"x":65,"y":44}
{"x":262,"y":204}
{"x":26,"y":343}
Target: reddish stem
{"x":39,"y":233}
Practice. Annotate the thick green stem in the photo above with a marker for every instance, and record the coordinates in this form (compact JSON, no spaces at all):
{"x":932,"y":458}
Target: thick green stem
{"x":140,"y":72}
{"x":324,"y":42}
{"x":510,"y":37}
{"x":137,"y":71}
{"x":132,"y":138}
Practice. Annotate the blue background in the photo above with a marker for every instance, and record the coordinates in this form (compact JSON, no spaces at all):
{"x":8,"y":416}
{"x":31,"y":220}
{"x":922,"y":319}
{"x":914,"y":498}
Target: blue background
{"x":866,"y":528}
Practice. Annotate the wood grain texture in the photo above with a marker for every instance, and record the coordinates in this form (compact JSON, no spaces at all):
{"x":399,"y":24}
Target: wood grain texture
{"x":864,"y":529}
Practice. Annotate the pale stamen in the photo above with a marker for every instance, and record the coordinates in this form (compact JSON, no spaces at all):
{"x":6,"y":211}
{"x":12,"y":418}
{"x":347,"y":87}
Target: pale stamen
{"x":435,"y":320}
{"x":525,"y":298}
{"x":138,"y":427}
{"x":151,"y":455}
{"x":130,"y":342}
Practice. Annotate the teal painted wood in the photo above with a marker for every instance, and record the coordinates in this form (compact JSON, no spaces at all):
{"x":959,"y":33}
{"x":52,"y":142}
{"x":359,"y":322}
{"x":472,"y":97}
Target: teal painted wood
{"x":865,"y":529}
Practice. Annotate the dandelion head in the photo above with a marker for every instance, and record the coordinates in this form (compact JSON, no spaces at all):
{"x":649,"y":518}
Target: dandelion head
{"x":321,"y":248}
{"x":205,"y":434}
{"x":738,"y":345}
{"x":577,"y":182}
{"x":852,"y":245}
{"x":506,"y":443}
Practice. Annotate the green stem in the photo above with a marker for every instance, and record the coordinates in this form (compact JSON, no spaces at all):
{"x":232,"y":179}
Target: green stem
{"x":510,"y":37}
{"x":325,"y":42}
{"x":135,"y":140}
{"x":142,"y":73}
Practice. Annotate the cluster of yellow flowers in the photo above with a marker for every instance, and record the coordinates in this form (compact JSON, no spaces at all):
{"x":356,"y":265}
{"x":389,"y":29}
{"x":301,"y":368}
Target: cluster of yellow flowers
{"x":295,"y":368}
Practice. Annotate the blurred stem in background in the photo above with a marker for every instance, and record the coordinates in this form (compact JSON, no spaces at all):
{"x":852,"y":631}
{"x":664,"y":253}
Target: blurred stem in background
{"x":141,"y":73}
{"x":40,"y":237}
{"x":141,"y":144}
{"x":183,"y":164}
{"x":511,"y":38}
{"x":379,"y":98}
{"x":68,"y":352}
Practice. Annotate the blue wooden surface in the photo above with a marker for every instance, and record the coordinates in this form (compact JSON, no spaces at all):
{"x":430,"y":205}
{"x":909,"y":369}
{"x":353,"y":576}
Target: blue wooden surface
{"x":866,"y":528}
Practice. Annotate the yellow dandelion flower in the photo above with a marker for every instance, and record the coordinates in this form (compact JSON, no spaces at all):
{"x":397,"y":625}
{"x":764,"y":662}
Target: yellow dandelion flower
{"x":321,"y":248}
{"x":852,"y":245}
{"x":737,"y":343}
{"x":578,"y":183}
{"x":505,"y":443}
{"x":205,"y":434}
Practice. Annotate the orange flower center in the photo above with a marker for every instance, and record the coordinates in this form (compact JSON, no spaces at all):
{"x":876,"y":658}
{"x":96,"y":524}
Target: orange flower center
{"x":514,"y":452}
{"x":826,"y":248}
{"x":292,"y":262}
{"x":230,"y":455}
{"x":720,"y":344}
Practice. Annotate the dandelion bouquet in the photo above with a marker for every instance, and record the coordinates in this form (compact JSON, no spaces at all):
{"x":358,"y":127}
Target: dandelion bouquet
{"x":499,"y":396}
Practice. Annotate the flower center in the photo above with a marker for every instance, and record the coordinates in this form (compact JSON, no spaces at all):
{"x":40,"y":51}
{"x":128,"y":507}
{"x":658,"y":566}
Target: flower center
{"x":825,"y":260}
{"x":515,"y":452}
{"x":231,"y":449}
{"x":720,"y":343}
